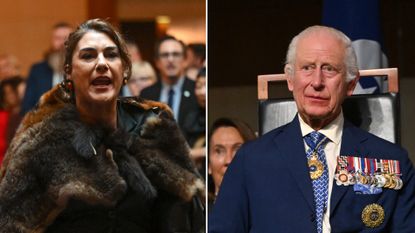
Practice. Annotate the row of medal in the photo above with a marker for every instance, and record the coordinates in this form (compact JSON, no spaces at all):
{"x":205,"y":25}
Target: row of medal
{"x":379,"y":173}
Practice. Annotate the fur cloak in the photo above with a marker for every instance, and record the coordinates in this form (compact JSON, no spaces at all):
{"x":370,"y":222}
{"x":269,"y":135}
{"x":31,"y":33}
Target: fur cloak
{"x":55,"y":157}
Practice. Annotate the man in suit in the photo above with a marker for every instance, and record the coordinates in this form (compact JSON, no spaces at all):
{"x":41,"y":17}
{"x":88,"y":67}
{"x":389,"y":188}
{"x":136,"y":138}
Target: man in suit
{"x":49,"y":72}
{"x":318,"y":173}
{"x":173,"y":87}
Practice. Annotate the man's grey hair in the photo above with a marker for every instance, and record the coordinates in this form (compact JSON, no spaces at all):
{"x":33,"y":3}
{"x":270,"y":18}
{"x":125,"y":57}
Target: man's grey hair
{"x":350,"y":59}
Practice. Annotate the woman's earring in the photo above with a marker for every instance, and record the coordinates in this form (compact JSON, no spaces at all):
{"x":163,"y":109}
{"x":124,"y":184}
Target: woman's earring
{"x":67,"y":69}
{"x":125,"y":80}
{"x":67,"y":85}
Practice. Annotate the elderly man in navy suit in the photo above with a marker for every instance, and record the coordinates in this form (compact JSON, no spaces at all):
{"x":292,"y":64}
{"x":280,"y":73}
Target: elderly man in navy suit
{"x":318,"y":173}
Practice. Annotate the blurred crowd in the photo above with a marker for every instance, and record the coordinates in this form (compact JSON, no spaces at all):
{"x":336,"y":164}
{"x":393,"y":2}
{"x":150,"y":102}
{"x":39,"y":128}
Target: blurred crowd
{"x":177,"y":66}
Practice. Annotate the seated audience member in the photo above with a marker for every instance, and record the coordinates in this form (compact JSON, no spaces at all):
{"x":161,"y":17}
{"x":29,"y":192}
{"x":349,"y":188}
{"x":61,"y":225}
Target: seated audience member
{"x":196,"y":56}
{"x":226,"y":136}
{"x":11,"y":94}
{"x":318,"y":173}
{"x":143,"y":74}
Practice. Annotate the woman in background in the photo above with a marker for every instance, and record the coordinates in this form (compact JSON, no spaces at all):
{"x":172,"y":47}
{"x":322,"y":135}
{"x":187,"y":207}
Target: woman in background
{"x":226,"y":136}
{"x":11,"y":95}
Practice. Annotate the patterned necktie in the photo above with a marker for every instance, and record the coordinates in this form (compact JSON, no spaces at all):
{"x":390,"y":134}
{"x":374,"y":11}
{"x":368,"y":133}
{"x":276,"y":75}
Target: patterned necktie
{"x":171,"y":97}
{"x":316,"y":142}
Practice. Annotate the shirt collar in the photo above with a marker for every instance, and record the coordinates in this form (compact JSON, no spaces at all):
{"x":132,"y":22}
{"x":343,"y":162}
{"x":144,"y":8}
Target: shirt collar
{"x":176,"y":87}
{"x":332,"y":131}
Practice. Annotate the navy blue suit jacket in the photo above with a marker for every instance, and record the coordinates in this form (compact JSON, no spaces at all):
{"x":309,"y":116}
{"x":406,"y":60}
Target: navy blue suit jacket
{"x":38,"y":82}
{"x":188,"y":108}
{"x":267,"y":187}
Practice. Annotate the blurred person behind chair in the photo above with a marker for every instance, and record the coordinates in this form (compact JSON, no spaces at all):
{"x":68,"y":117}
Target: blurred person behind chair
{"x":48,"y":72}
{"x":11,"y":94}
{"x":226,"y":136}
{"x":142,"y":73}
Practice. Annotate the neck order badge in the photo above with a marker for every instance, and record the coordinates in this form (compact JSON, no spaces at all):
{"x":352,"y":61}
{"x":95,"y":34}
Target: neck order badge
{"x":318,"y":173}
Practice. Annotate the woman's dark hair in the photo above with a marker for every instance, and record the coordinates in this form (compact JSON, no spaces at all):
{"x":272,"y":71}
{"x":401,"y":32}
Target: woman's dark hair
{"x":101,"y":26}
{"x":13,"y":82}
{"x":199,"y":49}
{"x":243,"y":128}
{"x":201,"y":73}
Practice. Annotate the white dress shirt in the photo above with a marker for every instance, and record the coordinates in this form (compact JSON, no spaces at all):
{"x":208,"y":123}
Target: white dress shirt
{"x":164,"y":95}
{"x":333,"y":132}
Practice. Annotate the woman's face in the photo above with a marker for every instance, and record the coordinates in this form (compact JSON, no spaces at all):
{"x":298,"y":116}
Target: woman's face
{"x":97,"y":70}
{"x":224,"y":143}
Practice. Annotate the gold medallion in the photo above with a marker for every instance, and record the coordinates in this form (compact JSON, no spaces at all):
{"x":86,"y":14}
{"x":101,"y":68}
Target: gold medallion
{"x":393,"y":182}
{"x":343,"y":177}
{"x":388,"y":182}
{"x":373,"y":215}
{"x":316,"y":167}
{"x":363,"y":179}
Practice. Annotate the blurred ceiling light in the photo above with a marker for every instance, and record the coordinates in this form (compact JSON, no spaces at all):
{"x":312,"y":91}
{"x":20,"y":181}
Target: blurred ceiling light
{"x":162,"y":19}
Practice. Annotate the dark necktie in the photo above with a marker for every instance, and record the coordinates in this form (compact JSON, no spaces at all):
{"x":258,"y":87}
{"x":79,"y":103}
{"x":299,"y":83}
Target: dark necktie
{"x":317,"y":161}
{"x":171,"y":98}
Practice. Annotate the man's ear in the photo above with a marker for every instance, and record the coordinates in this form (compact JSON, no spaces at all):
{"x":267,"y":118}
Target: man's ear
{"x":289,"y":75}
{"x":352,"y":84}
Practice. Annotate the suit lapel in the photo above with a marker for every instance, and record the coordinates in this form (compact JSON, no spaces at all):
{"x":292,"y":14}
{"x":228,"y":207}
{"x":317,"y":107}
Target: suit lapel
{"x":157,"y":91}
{"x":291,"y":146}
{"x":351,"y":146}
{"x":185,"y":100}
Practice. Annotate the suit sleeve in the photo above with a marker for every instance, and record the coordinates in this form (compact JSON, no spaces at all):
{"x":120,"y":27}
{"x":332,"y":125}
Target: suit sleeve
{"x":29,"y":99}
{"x":230,"y":212}
{"x":404,"y":215}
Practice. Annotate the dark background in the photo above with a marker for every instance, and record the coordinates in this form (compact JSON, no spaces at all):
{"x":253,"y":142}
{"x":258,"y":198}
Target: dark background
{"x":250,"y":37}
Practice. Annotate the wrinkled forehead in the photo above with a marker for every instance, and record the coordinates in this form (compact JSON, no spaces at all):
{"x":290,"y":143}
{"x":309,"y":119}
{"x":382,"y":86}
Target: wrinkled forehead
{"x":320,"y":44}
{"x":95,"y":39}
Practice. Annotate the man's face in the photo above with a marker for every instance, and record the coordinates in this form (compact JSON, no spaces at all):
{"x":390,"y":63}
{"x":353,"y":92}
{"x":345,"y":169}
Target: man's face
{"x":319,"y":81}
{"x":171,"y":62}
{"x":59,"y":35}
